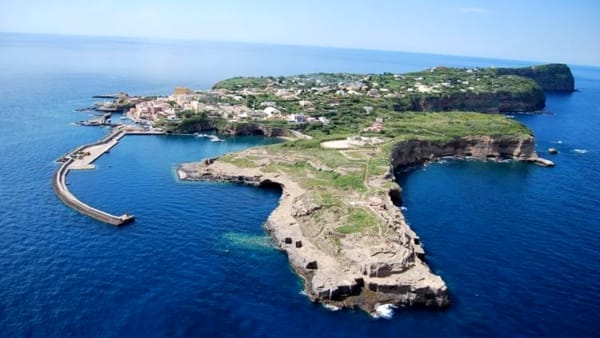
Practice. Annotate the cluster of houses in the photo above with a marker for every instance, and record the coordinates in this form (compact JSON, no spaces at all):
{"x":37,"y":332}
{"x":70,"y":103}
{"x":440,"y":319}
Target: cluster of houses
{"x":215,"y":103}
{"x":233,"y":105}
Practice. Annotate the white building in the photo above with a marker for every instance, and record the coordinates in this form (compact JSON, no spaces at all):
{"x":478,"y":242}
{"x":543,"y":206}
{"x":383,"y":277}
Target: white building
{"x":271,"y":111}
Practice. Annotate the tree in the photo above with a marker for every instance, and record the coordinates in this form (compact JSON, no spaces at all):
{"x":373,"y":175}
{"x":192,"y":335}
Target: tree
{"x":250,"y":101}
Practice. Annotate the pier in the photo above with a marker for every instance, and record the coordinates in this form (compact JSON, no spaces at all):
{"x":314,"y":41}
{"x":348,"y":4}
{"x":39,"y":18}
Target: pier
{"x":82,"y":158}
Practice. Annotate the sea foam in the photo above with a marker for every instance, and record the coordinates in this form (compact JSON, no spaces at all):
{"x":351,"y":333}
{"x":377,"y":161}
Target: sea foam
{"x":331,"y":307}
{"x":384,"y":311}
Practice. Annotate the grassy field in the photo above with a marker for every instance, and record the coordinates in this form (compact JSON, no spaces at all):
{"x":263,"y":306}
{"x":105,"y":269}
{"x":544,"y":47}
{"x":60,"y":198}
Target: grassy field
{"x":339,"y":178}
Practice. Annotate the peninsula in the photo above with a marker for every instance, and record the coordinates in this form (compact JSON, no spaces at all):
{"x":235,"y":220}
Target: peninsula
{"x":338,"y":217}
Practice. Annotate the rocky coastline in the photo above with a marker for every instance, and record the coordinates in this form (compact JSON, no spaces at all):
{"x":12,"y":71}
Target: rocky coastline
{"x":364,"y":270}
{"x":551,"y":77}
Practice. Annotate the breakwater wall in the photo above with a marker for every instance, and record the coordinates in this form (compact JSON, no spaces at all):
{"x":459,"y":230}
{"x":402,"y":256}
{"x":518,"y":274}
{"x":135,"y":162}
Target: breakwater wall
{"x":81,"y":159}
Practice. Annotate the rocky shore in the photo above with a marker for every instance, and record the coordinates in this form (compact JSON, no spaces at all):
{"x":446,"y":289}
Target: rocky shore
{"x":384,"y":265}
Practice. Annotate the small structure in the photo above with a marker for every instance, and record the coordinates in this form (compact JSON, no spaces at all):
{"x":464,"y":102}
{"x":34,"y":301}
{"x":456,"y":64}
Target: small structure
{"x":296,"y":118}
{"x":377,"y":126}
{"x":180,"y":91}
{"x":271,"y":111}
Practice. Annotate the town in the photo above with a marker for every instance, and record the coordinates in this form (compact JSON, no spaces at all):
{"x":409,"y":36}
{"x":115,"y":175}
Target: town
{"x":325,"y":104}
{"x":315,"y":99}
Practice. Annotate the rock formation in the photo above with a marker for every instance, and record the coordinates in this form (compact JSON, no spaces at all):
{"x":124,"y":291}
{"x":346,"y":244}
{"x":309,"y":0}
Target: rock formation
{"x":252,"y":129}
{"x":551,"y":77}
{"x":366,"y":268}
{"x":501,"y":101}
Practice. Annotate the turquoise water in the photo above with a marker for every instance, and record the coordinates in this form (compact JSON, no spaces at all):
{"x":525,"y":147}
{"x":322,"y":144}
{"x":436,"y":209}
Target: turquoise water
{"x":517,"y":244}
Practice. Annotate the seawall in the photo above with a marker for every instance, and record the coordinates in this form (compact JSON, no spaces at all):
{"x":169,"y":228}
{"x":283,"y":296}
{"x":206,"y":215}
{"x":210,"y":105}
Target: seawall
{"x":82,"y":158}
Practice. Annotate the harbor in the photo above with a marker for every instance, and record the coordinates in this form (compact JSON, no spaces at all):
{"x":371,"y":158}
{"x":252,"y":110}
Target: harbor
{"x":83,"y":158}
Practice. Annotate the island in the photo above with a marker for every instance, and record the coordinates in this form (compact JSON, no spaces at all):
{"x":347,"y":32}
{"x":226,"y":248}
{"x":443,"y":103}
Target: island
{"x":346,"y":136}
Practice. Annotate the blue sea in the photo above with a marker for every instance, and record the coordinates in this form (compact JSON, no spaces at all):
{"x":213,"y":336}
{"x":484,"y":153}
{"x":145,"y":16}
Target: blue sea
{"x":517,"y":244}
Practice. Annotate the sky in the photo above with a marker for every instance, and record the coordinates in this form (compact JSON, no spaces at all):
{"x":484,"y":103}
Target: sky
{"x":532,"y":30}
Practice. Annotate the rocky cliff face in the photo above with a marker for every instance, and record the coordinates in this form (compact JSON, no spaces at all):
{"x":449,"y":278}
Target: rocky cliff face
{"x":189,"y":127}
{"x":504,"y":102}
{"x":252,"y":129}
{"x":232,"y":129}
{"x":551,"y":77}
{"x":486,"y":102}
{"x":414,"y":152}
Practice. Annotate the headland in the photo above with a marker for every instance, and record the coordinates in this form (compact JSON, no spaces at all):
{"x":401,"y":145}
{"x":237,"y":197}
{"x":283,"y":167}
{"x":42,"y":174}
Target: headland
{"x":338,"y":218}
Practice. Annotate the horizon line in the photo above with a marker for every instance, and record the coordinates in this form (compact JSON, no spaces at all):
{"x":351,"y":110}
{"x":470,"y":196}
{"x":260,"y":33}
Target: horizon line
{"x":175,"y":39}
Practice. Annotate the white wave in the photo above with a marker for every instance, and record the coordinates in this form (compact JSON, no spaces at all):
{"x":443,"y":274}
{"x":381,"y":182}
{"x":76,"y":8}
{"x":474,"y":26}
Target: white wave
{"x":580,"y":151}
{"x":331,"y":307}
{"x":384,"y":311}
{"x":303,"y":293}
{"x":403,"y":208}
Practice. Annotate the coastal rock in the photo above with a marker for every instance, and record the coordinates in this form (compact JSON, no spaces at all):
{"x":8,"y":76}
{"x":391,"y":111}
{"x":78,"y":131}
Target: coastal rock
{"x":551,"y":77}
{"x":253,"y":129}
{"x":304,"y":205}
{"x":501,"y":101}
{"x":414,"y":152}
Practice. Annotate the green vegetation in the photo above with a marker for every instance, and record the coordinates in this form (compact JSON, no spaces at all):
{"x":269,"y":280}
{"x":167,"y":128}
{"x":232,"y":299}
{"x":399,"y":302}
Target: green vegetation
{"x":557,"y":77}
{"x":357,"y":221}
{"x":445,"y":126}
{"x":243,"y":82}
{"x":338,"y":177}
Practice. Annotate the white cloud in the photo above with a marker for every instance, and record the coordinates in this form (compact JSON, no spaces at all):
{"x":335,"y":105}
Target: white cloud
{"x":474,"y":10}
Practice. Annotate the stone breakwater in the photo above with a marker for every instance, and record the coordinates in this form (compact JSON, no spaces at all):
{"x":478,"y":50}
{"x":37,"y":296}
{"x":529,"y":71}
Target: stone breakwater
{"x":82,"y":158}
{"x":366,"y":269}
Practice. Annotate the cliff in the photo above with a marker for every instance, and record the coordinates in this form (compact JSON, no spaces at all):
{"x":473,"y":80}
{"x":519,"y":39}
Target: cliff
{"x":414,"y":152}
{"x":551,"y":77}
{"x":502,"y":101}
{"x":336,"y":217}
{"x":193,"y":125}
{"x":253,"y":129}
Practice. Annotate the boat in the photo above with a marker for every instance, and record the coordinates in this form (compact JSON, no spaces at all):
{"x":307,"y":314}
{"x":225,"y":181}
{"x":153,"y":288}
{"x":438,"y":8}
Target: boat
{"x":214,"y":138}
{"x":90,"y":123}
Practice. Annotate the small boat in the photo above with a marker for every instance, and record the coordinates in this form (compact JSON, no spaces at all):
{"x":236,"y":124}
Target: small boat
{"x":214,"y":138}
{"x":92,"y":123}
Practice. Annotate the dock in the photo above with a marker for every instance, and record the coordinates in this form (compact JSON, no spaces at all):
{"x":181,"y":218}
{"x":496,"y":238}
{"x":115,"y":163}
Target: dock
{"x":82,"y":158}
